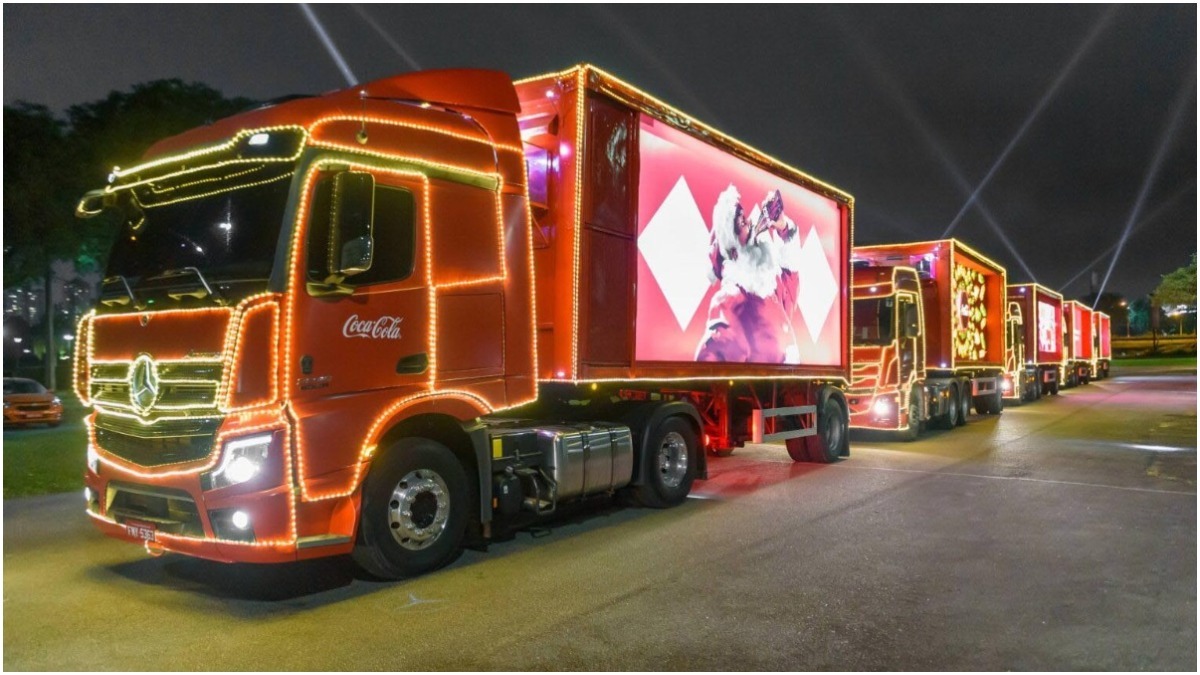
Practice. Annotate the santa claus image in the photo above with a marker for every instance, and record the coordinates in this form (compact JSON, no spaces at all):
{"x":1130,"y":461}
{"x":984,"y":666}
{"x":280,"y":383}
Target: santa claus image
{"x":754,"y":258}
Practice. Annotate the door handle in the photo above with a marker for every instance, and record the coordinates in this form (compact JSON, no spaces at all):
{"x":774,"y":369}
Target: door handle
{"x":413,"y":364}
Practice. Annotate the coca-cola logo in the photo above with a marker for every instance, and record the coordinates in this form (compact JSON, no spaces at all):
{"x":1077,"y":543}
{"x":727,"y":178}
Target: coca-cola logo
{"x":383,"y":328}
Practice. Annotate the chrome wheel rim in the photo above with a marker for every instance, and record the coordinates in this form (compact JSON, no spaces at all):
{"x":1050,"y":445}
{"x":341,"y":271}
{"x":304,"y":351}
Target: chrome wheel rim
{"x":672,"y":459}
{"x":418,"y":509}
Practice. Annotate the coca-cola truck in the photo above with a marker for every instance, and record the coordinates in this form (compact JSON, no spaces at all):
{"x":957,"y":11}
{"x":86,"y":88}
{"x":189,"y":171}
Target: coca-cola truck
{"x":1078,"y":354}
{"x":404,"y":317}
{"x":929,"y":336}
{"x":1101,"y":344}
{"x":1035,"y":321}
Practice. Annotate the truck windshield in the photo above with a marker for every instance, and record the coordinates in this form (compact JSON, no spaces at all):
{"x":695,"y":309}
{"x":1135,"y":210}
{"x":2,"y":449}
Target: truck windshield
{"x":873,"y":324}
{"x":224,"y":226}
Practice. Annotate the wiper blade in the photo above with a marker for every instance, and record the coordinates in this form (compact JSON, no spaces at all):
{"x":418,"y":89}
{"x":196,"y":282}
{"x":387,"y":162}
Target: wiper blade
{"x":205,"y":290}
{"x":110,"y":300}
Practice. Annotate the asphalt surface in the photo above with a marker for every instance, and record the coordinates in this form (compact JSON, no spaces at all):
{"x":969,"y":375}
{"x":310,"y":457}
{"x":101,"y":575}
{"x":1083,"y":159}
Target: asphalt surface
{"x":1058,"y":536}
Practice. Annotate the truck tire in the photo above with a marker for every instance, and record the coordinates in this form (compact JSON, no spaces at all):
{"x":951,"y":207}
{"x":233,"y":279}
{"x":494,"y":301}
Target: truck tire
{"x":669,"y":463}
{"x":914,"y":417}
{"x":414,"y":511}
{"x":831,"y":438}
{"x":1052,"y":389}
{"x":949,"y":419}
{"x":964,"y":404}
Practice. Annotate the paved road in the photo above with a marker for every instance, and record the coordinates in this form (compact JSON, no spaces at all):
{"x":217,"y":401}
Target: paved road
{"x":1059,"y":536}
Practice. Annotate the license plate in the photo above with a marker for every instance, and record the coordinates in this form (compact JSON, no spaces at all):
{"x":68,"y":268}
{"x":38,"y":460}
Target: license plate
{"x":140,"y":530}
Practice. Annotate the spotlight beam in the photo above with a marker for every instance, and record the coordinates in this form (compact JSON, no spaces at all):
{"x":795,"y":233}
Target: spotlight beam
{"x":1178,"y":107}
{"x":1144,"y":221}
{"x":327,"y":41}
{"x":912,"y":113}
{"x":637,"y":45}
{"x":1033,"y":115}
{"x":370,"y":20}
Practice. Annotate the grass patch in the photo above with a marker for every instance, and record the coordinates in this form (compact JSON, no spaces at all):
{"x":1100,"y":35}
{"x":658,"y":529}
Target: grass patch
{"x":1173,"y":361}
{"x":43,"y":460}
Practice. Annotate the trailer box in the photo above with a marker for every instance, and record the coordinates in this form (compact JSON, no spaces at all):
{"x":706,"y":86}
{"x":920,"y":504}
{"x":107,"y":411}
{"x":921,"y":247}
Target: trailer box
{"x":667,"y":250}
{"x":1042,"y":312}
{"x":964,"y":296}
{"x":1079,"y":329}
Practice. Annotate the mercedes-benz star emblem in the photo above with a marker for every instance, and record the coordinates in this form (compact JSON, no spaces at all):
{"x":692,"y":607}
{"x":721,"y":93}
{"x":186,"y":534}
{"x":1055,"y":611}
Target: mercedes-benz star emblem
{"x":143,"y":385}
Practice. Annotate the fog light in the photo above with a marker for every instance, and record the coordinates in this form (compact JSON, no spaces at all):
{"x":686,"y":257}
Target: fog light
{"x":87,"y":495}
{"x":1006,"y":385}
{"x":240,"y":520}
{"x":93,"y":459}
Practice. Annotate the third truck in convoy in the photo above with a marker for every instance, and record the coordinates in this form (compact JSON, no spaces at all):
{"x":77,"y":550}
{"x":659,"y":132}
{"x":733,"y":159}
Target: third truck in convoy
{"x":1035,"y":342}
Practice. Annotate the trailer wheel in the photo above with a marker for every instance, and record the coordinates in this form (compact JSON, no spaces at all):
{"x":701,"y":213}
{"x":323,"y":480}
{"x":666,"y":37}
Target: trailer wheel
{"x":949,"y":419}
{"x":964,"y":405}
{"x":414,"y":511}
{"x":914,"y":416}
{"x":1053,"y":388}
{"x":831,"y":438}
{"x":669,"y":463}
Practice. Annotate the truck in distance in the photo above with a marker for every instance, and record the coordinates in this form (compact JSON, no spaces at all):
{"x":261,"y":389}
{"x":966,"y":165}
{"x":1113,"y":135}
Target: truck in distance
{"x":1078,"y":348}
{"x":929,"y":336}
{"x":395,"y":319}
{"x":1101,"y":344}
{"x":1035,"y":343}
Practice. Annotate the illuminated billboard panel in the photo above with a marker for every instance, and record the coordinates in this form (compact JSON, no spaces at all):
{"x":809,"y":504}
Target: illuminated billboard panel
{"x":1047,"y":327}
{"x":735,"y":264}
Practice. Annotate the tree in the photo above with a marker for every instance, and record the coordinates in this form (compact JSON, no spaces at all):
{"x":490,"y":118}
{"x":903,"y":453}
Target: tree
{"x":1179,"y":287}
{"x":49,"y":164}
{"x":1139,"y":316}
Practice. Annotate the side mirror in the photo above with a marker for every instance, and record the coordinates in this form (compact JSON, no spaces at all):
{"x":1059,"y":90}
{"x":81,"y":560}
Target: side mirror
{"x":351,"y":226}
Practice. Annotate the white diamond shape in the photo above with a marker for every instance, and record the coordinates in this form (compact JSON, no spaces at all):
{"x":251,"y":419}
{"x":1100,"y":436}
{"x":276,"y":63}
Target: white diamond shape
{"x":819,"y":290}
{"x":675,"y":246}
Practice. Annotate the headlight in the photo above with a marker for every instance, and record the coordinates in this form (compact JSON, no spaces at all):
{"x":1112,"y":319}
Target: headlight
{"x":1006,"y":385}
{"x":93,"y":459}
{"x":882,"y":407}
{"x":56,"y":401}
{"x":242,"y":460}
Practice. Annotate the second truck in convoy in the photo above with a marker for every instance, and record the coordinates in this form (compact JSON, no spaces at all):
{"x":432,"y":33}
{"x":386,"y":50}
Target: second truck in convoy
{"x":1078,"y":346}
{"x":929,"y":335}
{"x":395,"y":319}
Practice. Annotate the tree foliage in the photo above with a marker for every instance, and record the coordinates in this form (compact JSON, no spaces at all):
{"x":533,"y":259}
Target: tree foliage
{"x":50,"y":163}
{"x":1178,"y":287}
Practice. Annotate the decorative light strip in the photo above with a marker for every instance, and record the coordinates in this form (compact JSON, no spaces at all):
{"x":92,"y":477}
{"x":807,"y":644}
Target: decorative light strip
{"x":208,"y":150}
{"x":81,"y":378}
{"x":579,"y":158}
{"x":368,"y":119}
{"x":372,"y":437}
{"x":245,"y":186}
{"x":488,"y":176}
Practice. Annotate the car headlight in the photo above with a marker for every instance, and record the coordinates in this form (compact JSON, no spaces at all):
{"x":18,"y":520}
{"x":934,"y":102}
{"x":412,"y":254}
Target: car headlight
{"x":241,"y":461}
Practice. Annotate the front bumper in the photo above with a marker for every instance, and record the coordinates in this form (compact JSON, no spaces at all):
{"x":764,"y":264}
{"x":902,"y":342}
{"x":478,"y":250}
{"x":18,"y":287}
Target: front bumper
{"x":881,"y":411}
{"x":16,"y":416}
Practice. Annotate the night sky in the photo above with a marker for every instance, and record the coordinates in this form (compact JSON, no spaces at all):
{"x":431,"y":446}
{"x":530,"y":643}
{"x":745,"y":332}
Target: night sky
{"x":907,"y":108}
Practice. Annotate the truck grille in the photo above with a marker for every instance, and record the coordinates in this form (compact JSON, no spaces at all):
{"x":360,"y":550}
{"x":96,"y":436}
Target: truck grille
{"x":160,"y":444}
{"x":186,"y":388}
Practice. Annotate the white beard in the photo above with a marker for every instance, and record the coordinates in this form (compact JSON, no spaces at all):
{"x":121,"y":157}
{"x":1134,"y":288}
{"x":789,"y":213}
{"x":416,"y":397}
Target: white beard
{"x":756,"y":269}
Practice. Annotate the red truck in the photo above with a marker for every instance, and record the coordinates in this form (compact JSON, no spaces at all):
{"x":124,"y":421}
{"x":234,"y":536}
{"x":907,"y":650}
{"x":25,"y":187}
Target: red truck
{"x":1079,"y":350}
{"x":1101,"y":344}
{"x":397,"y":319}
{"x":929,"y":335}
{"x":1035,"y":342}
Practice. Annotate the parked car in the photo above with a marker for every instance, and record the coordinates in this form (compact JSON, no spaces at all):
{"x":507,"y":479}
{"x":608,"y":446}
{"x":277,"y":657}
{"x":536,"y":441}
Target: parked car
{"x":28,"y":402}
